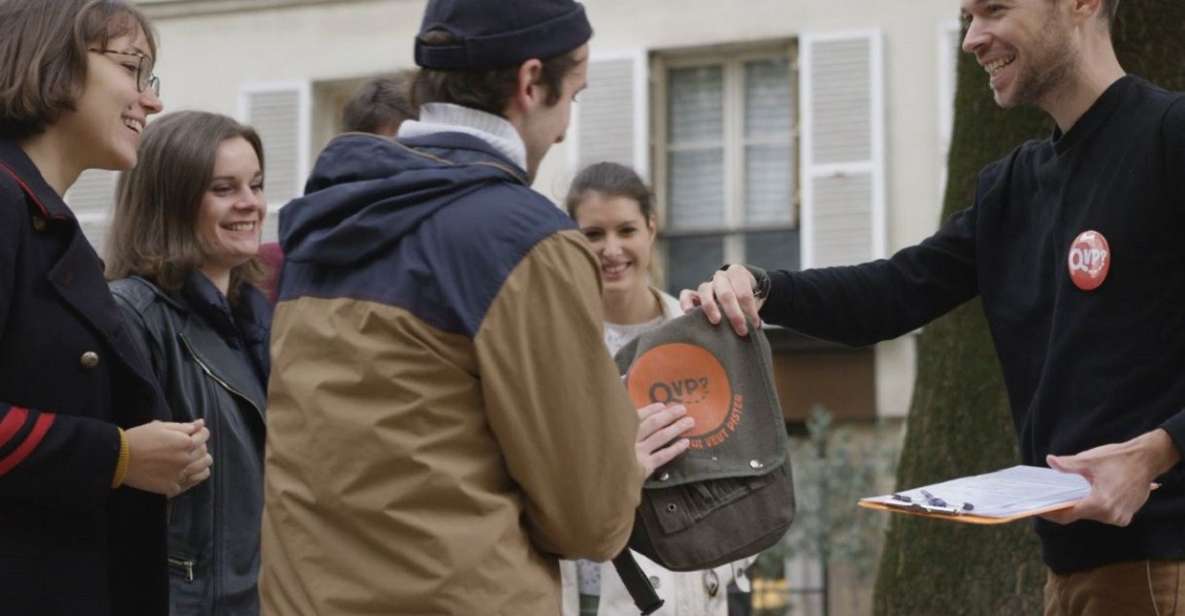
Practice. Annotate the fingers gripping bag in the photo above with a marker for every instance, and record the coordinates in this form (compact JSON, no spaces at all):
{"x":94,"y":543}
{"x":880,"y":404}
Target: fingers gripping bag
{"x":731,"y":494}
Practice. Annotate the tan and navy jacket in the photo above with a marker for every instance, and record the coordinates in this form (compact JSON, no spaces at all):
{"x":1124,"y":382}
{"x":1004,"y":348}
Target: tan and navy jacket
{"x":443,"y":420}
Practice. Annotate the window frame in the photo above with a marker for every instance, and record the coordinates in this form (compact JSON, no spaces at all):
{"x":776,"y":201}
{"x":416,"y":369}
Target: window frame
{"x":732,"y":60}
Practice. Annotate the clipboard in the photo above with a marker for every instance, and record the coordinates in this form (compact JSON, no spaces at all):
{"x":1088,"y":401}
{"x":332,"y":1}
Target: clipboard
{"x":1000,"y":497}
{"x":965,"y":517}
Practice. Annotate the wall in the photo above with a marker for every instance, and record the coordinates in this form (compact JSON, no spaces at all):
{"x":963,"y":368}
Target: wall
{"x":206,"y":58}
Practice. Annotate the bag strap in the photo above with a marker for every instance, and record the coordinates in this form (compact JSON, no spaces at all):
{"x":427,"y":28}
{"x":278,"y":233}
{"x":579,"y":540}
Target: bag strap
{"x":636,"y":582}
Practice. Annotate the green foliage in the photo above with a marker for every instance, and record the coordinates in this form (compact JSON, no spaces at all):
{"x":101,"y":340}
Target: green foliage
{"x":834,"y":466}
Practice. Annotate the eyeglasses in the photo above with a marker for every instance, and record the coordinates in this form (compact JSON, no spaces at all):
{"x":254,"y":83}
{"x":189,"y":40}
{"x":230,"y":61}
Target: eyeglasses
{"x":144,"y":77}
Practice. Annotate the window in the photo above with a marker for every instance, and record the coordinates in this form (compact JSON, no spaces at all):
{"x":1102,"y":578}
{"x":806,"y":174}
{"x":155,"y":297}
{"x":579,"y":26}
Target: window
{"x":950,"y":40}
{"x":727,"y":161}
{"x":280,"y":113}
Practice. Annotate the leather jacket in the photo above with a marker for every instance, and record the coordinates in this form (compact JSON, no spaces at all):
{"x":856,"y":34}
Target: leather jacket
{"x":212,"y":363}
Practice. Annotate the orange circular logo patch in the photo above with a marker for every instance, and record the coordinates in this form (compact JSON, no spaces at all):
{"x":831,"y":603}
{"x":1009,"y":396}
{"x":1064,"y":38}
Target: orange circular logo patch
{"x":684,"y":374}
{"x":1089,"y":260}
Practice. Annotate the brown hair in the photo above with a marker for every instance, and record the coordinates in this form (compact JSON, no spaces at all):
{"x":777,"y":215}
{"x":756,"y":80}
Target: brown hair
{"x":381,"y":103}
{"x":43,"y":55}
{"x":154,"y":230}
{"x":485,"y":90}
{"x":610,"y":180}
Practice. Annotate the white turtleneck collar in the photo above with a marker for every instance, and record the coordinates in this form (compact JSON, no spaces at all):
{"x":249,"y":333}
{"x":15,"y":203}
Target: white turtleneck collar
{"x":449,"y":118}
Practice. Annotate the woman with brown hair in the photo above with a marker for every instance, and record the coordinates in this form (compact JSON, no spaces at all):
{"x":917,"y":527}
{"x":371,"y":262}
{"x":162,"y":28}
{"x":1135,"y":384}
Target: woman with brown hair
{"x":615,"y":210}
{"x":85,"y":462}
{"x":182,"y":254}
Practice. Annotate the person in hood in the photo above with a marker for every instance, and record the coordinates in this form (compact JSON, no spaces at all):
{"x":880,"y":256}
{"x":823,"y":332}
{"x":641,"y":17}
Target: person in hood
{"x":1073,"y":245}
{"x":379,"y":106}
{"x":444,"y":423}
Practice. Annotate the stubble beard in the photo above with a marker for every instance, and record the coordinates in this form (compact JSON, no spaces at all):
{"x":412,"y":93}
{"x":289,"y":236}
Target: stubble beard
{"x":1051,"y":66}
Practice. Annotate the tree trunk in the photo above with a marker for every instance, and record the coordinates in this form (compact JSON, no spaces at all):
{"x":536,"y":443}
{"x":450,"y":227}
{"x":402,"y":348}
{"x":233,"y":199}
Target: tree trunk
{"x":960,"y":423}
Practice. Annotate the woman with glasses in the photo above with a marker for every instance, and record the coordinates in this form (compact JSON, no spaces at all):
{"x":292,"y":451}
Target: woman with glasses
{"x":85,"y":459}
{"x":182,"y":251}
{"x":614,"y":209}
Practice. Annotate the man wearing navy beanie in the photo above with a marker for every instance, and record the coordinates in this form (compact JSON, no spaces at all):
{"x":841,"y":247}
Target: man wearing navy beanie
{"x":443,"y":421}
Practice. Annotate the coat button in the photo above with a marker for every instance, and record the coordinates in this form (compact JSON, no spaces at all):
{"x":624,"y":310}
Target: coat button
{"x":90,"y":359}
{"x":38,"y":223}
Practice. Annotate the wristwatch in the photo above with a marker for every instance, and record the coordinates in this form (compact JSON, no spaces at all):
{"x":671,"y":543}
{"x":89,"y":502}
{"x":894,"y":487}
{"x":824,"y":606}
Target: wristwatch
{"x":761,"y":283}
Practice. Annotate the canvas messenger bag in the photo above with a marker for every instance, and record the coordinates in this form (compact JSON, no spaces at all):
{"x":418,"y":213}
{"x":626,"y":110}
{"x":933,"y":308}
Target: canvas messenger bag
{"x":731,"y":494}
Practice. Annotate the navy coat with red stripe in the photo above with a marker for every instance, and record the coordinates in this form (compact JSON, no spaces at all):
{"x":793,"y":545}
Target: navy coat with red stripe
{"x":69,"y":543}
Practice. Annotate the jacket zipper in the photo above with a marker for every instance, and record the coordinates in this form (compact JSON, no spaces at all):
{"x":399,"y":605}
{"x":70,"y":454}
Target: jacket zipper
{"x":214,"y":573}
{"x":186,"y":565}
{"x":210,"y":373}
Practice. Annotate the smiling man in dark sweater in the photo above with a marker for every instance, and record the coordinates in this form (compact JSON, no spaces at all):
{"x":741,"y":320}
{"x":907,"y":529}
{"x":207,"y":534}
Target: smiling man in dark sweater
{"x":1074,"y":244}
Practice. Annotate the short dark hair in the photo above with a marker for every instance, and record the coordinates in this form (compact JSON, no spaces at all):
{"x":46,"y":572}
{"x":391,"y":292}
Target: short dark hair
{"x":43,"y":55}
{"x":154,"y":230}
{"x":610,"y":180}
{"x":485,"y":90}
{"x":382,"y":102}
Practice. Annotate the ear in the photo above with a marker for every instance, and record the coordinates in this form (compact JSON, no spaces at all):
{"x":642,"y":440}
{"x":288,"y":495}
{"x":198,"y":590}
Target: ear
{"x":1085,"y":10}
{"x":528,"y":94}
{"x":652,"y":226}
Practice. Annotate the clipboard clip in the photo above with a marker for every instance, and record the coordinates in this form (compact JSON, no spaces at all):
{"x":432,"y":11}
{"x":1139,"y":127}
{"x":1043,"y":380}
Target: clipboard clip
{"x":933,"y":504}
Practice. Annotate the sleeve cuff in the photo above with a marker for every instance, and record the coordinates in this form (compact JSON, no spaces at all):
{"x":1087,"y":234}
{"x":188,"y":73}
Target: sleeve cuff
{"x":779,"y":297}
{"x":125,"y":456}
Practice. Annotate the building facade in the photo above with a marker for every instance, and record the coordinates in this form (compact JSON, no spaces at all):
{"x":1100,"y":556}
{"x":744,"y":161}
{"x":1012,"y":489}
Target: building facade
{"x":785,"y":133}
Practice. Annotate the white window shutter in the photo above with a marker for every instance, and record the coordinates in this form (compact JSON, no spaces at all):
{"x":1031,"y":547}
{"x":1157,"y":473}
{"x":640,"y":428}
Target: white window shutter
{"x":282,"y":115}
{"x":950,"y":39}
{"x":92,"y":198}
{"x":843,"y":143}
{"x":611,"y":121}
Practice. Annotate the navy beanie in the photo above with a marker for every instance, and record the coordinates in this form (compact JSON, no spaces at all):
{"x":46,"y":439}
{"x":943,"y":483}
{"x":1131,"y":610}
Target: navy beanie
{"x":494,"y":34}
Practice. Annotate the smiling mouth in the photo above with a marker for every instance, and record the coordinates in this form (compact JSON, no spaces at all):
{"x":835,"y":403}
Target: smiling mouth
{"x":134,"y":124}
{"x":241,"y":226}
{"x":614,"y":270}
{"x":994,"y":67}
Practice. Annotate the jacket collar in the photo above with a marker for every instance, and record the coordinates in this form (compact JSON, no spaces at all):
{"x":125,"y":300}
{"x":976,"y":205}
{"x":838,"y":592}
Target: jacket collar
{"x":246,"y":322}
{"x":463,"y":148}
{"x":245,"y":318}
{"x":367,"y":193}
{"x":250,"y":317}
{"x":14,"y":160}
{"x":1095,"y":116}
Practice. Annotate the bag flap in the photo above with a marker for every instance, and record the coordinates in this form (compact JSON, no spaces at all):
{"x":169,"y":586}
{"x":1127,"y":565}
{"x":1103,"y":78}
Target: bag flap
{"x":726,"y":383}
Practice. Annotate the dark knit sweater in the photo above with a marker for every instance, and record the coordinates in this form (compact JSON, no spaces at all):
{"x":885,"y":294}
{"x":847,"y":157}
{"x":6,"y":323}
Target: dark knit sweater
{"x":1082,"y":368}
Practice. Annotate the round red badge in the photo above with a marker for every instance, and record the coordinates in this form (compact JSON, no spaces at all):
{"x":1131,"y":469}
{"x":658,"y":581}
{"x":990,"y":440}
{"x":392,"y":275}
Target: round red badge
{"x":1089,"y":260}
